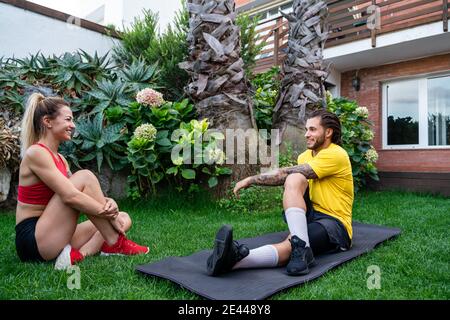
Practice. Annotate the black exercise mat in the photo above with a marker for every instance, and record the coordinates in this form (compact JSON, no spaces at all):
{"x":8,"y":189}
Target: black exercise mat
{"x":256,"y":284}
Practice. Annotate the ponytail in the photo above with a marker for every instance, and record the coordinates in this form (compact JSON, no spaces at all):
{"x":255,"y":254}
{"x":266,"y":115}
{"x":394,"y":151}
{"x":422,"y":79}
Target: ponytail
{"x":28,"y":134}
{"x":37,"y":107}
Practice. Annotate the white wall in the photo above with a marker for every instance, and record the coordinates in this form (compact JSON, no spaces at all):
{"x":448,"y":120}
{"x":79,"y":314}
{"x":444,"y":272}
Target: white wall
{"x":167,"y":10}
{"x":23,"y":32}
{"x":117,"y":12}
{"x":335,"y":78}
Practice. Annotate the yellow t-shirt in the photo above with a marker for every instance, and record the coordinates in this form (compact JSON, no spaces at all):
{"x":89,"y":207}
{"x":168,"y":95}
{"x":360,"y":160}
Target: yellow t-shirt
{"x":332,"y":192}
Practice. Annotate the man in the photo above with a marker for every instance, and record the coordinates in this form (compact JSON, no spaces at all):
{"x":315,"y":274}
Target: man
{"x":317,"y":202}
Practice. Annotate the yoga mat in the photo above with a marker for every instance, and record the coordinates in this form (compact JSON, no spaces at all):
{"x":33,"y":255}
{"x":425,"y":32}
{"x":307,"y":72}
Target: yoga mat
{"x":257,"y":284}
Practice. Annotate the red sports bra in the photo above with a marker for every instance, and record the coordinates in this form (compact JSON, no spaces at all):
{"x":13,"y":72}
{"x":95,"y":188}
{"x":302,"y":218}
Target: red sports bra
{"x":39,"y":193}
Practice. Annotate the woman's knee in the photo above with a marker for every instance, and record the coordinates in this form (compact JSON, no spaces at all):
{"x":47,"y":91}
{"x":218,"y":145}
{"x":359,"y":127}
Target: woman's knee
{"x":83,"y":178}
{"x":126,"y":219}
{"x":295,"y":181}
{"x":86,"y":174}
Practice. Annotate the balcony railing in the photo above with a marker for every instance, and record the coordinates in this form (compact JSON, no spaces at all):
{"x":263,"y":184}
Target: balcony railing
{"x":349,"y":20}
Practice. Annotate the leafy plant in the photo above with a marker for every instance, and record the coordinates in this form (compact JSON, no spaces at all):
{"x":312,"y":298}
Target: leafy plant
{"x":13,"y":99}
{"x":356,"y":138}
{"x":147,"y":169}
{"x":266,"y":88}
{"x":11,"y":78}
{"x":34,"y":68}
{"x":108,"y":94}
{"x":70,"y":73}
{"x":139,"y":75}
{"x":98,"y":67}
{"x":202,"y":156}
{"x":114,"y":114}
{"x":249,"y":38}
{"x":101,"y":142}
{"x":143,"y":41}
{"x":69,"y":150}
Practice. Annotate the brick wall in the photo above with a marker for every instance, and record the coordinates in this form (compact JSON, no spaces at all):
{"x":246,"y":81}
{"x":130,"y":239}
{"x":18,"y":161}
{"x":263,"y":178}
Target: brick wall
{"x":369,"y":95}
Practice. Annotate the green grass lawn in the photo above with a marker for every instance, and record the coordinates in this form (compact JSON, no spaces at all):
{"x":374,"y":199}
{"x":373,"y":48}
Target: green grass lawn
{"x":413,"y":266}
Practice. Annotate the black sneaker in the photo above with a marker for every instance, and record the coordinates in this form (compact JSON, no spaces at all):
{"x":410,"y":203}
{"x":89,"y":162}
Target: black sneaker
{"x":301,"y":257}
{"x":226,"y":252}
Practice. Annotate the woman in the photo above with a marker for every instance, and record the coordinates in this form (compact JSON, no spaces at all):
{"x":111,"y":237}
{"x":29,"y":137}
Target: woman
{"x":50,"y":198}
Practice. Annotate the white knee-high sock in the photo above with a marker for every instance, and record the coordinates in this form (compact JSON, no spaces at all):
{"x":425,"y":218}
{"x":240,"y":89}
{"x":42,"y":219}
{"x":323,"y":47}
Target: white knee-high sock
{"x":262,"y":257}
{"x":298,"y":226}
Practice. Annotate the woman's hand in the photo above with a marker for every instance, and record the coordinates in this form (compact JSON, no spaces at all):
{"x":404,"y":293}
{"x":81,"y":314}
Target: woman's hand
{"x":243,"y":184}
{"x":110,"y":209}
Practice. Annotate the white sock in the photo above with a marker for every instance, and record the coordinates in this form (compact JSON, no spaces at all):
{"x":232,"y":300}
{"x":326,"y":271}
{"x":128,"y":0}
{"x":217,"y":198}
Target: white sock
{"x":262,"y":257}
{"x":298,"y":226}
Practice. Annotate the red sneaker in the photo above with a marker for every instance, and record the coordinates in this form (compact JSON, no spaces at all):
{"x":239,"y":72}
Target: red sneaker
{"x":68,"y":257}
{"x":123,"y":246}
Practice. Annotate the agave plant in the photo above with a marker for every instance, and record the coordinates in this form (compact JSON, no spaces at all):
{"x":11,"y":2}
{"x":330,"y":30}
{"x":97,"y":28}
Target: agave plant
{"x":101,"y":142}
{"x":11,"y":77}
{"x":34,"y":68}
{"x":109,"y":94}
{"x":139,"y":75}
{"x":69,"y":150}
{"x":70,"y":72}
{"x":99,"y":66}
{"x":13,"y":100}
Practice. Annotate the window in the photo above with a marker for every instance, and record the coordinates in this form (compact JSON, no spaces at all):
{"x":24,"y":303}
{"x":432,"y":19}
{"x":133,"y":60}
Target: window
{"x":439,"y":111}
{"x":416,"y":113}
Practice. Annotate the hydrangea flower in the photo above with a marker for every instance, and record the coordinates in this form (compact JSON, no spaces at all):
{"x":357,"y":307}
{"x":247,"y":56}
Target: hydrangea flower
{"x":371,"y":155}
{"x":178,"y":161}
{"x":362,"y":111}
{"x":146,"y":132}
{"x":150,"y":97}
{"x":215,"y":155}
{"x":367,"y":135}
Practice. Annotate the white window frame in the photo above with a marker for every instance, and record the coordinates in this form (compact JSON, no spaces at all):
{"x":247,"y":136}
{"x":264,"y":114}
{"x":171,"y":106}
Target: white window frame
{"x":423,"y":114}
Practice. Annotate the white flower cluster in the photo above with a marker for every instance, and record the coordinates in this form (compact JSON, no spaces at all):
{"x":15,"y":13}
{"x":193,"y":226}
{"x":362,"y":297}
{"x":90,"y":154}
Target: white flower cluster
{"x":150,"y":97}
{"x":215,"y":155}
{"x":371,"y":155}
{"x":367,"y":135}
{"x":145,"y":131}
{"x":362,"y":111}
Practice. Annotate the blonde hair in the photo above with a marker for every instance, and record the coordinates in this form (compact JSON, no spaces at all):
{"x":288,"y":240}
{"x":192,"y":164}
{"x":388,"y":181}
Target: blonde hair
{"x":37,"y":107}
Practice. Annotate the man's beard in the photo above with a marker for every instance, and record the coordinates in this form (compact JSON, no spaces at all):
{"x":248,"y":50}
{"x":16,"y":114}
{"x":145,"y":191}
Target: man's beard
{"x":319,"y":142}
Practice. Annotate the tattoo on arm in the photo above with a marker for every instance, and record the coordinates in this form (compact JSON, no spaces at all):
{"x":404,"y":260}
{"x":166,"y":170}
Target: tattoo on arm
{"x":278,"y":177}
{"x":304,"y":169}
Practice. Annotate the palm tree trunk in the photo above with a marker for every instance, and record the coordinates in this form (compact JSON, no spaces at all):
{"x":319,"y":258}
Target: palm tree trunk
{"x":303,"y":73}
{"x":218,"y":84}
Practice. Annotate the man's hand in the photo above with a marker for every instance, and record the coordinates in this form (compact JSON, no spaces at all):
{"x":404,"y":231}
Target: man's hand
{"x":243,"y":184}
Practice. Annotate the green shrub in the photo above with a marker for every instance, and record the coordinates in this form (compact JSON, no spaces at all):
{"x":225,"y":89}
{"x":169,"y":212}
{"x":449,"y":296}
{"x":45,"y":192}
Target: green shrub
{"x":357,"y":136}
{"x":100,"y":142}
{"x":156,"y":131}
{"x":266,"y":87}
{"x":249,"y":38}
{"x":143,"y":41}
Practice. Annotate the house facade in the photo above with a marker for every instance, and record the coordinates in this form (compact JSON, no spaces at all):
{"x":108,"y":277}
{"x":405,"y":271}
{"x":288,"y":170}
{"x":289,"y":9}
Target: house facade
{"x":393,"y":57}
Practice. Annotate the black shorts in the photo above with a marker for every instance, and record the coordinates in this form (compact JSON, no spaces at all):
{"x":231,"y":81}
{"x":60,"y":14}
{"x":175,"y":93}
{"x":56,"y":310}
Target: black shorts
{"x":26,"y":245}
{"x":325,"y":233}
